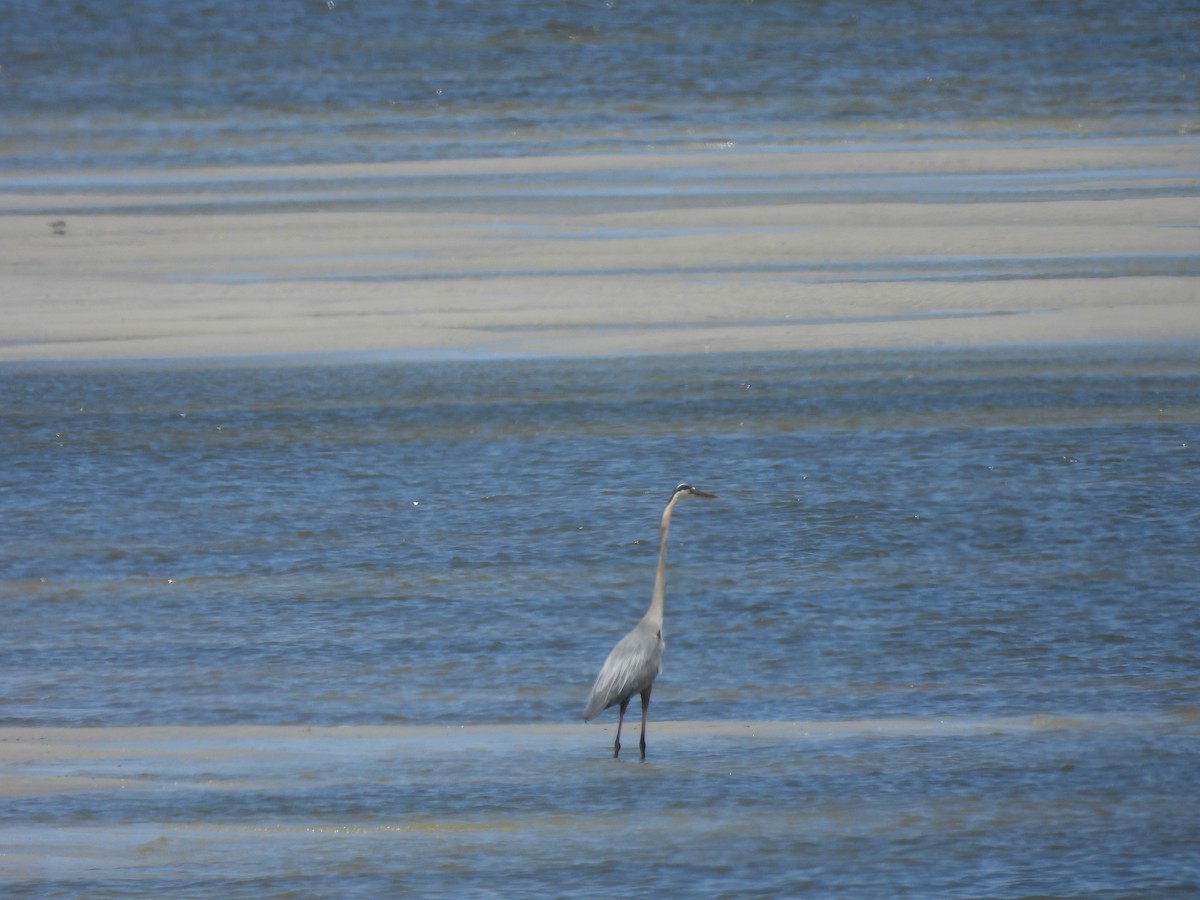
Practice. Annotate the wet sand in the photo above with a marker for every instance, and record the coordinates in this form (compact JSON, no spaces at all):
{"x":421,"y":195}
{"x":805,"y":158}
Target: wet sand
{"x":49,"y":761}
{"x":715,"y":251}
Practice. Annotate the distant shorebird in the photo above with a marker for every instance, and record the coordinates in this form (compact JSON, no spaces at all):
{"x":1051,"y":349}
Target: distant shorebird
{"x":636,"y":661}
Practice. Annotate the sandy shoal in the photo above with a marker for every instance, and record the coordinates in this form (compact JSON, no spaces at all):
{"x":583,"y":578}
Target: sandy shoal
{"x":606,"y":254}
{"x":39,"y":761}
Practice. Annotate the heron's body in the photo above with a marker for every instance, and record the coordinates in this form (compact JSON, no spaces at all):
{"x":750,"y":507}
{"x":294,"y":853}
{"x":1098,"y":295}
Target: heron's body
{"x":636,"y":660}
{"x":631,"y":668}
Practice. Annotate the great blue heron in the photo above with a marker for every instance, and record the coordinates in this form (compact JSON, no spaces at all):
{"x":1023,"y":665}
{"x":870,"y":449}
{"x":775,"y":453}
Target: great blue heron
{"x":636,"y":661}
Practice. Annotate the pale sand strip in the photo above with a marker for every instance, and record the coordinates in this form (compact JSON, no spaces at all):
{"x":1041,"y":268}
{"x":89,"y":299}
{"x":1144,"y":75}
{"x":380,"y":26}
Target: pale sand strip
{"x":601,"y":255}
{"x":41,"y":761}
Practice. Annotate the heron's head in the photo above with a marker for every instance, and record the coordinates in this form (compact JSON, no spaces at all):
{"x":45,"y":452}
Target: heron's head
{"x":693,"y":492}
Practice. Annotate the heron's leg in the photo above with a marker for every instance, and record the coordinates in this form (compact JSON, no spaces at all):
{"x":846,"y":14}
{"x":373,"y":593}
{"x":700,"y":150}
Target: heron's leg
{"x":620,"y":719}
{"x":645,"y":707}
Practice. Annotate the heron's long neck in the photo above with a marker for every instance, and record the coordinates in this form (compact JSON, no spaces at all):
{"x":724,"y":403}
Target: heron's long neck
{"x":655,"y":612}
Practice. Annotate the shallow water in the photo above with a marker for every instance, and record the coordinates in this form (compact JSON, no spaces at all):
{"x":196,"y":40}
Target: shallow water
{"x":1055,"y":807}
{"x":969,"y":576}
{"x":996,"y":531}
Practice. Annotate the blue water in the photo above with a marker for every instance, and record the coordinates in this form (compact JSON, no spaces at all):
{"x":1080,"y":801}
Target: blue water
{"x":962,"y":582}
{"x":155,"y":83}
{"x":909,"y":533}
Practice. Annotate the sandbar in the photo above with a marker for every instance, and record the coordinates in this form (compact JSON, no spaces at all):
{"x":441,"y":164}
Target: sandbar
{"x":43,"y":761}
{"x":722,"y":250}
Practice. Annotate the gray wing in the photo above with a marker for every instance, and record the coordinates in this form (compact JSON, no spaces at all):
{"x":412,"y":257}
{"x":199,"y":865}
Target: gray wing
{"x":631,"y":667}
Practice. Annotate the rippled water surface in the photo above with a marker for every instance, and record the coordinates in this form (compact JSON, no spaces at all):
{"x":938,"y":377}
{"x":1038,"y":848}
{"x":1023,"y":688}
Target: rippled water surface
{"x":962,"y":582}
{"x":157,"y":83}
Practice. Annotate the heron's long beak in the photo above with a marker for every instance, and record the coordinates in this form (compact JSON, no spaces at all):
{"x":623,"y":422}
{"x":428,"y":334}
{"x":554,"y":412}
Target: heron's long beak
{"x":704,"y":494}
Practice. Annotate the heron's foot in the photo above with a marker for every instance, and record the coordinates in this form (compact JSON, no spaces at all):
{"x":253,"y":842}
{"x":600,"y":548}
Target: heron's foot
{"x":616,"y":749}
{"x":642,"y":747}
